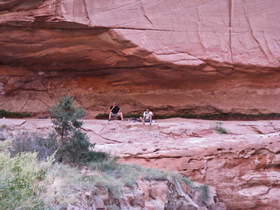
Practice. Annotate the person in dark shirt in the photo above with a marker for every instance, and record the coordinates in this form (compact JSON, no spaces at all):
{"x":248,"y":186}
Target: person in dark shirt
{"x":115,"y":111}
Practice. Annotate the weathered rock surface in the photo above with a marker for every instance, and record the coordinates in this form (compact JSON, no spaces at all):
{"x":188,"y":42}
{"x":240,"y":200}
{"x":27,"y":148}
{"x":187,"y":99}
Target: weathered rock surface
{"x":154,"y":190}
{"x":200,"y":56}
{"x":150,"y":195}
{"x":242,"y":165}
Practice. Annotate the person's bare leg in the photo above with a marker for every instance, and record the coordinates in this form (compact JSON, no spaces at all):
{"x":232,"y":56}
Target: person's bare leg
{"x":151,"y":119}
{"x":142,"y":119}
{"x":110,"y":115}
{"x":121,"y":114}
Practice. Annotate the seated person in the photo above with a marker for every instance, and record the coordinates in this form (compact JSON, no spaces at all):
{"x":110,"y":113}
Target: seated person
{"x":115,"y":111}
{"x":147,"y":117}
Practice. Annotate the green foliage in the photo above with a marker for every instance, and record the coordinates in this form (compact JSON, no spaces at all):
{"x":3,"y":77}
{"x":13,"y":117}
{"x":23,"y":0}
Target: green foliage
{"x":68,"y":142}
{"x":73,"y":144}
{"x":20,"y":178}
{"x":65,"y":184}
{"x":113,"y":175}
{"x":26,"y":183}
{"x":94,"y":157}
{"x":5,"y":146}
{"x":33,"y":142}
{"x":220,"y":129}
{"x":155,"y":174}
{"x":204,"y":189}
{"x":127,"y":174}
{"x":7,"y":114}
{"x":188,"y":182}
{"x":65,"y":117}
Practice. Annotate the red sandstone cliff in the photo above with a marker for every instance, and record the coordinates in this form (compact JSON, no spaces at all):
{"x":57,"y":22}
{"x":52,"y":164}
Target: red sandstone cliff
{"x":203,"y":56}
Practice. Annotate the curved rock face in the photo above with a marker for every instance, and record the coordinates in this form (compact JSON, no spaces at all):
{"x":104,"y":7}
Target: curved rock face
{"x":204,"y":56}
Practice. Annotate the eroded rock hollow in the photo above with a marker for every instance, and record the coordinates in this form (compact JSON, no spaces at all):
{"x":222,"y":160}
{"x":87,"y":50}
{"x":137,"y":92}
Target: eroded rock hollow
{"x":205,"y":56}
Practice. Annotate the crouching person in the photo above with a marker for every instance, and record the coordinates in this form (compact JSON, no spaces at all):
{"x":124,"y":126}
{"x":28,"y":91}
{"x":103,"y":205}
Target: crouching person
{"x":147,"y":117}
{"x":115,"y":111}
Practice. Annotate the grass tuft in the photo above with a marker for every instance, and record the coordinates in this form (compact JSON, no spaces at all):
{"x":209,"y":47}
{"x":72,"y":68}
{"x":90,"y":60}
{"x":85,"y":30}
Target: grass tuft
{"x":220,"y":129}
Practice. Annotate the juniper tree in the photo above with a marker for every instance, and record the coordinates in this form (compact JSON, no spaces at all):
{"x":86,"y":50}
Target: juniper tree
{"x":73,"y":144}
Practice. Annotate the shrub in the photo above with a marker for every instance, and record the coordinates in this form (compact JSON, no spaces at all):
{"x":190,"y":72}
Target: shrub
{"x":19,"y":181}
{"x":188,"y":182}
{"x":5,"y":145}
{"x":220,"y":129}
{"x":26,"y":183}
{"x":33,"y":142}
{"x":7,"y":114}
{"x":68,"y":142}
{"x":73,"y":144}
{"x":204,"y":189}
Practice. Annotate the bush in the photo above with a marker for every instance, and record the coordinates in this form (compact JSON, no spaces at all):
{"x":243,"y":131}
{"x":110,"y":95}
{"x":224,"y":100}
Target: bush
{"x":68,"y":142}
{"x":202,"y":190}
{"x":26,"y":183}
{"x":33,"y":142}
{"x":220,"y":129}
{"x":204,"y":193}
{"x":19,"y":181}
{"x":7,"y":114}
{"x":73,"y":144}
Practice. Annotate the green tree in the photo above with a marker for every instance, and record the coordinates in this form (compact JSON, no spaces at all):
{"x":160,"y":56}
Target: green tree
{"x":73,"y":144}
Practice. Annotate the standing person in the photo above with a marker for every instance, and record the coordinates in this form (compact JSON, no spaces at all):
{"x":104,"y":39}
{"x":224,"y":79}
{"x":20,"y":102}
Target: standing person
{"x":115,"y":111}
{"x":147,"y":117}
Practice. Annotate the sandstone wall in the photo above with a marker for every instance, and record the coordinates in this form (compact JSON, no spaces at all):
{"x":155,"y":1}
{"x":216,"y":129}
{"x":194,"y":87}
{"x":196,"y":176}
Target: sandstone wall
{"x":204,"y":56}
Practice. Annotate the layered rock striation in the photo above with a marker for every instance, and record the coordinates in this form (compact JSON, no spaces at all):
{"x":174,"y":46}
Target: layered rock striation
{"x":100,"y":184}
{"x":243,"y":165}
{"x":204,"y":56}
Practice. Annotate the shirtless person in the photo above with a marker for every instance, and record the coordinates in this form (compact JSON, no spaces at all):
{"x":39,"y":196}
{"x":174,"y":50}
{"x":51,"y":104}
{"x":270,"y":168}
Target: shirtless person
{"x":115,"y":111}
